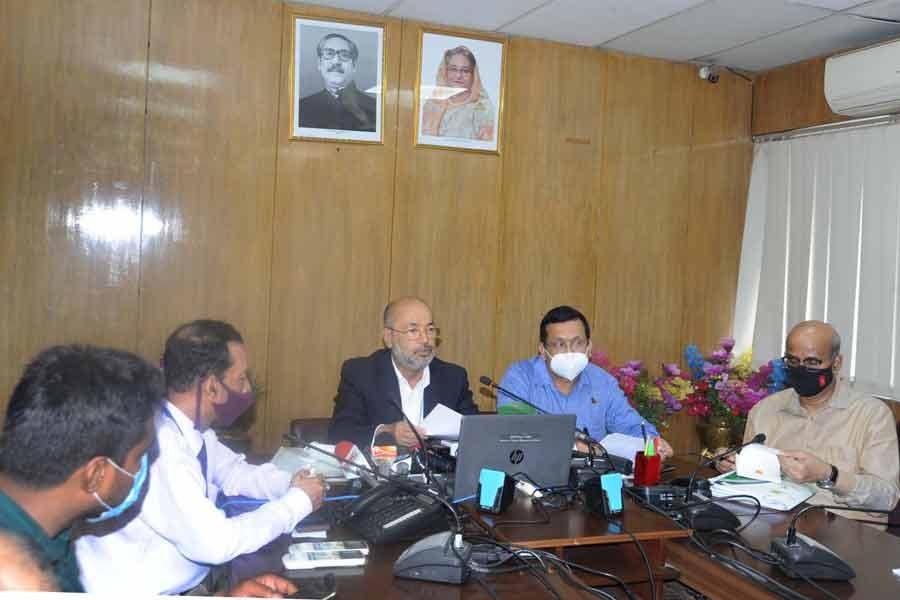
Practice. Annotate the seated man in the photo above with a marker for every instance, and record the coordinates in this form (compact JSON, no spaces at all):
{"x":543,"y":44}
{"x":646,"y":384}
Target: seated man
{"x":561,"y":380}
{"x":829,"y":434}
{"x":179,"y":533}
{"x":406,"y":376}
{"x":74,"y":445}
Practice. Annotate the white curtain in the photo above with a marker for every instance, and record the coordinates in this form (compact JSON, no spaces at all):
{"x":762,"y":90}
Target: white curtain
{"x":821,"y":242}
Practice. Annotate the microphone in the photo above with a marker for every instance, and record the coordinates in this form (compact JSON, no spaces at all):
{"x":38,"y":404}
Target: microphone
{"x":803,"y":557}
{"x":428,"y":475}
{"x":581,"y":436}
{"x":759,"y":438}
{"x":485,"y":380}
{"x":351,"y":454}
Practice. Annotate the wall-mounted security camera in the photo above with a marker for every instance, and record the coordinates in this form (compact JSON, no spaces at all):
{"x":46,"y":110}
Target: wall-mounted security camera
{"x":708,"y":73}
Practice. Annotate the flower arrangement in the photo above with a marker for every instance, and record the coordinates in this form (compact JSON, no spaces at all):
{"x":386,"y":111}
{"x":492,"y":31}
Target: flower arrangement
{"x":718,"y":385}
{"x":654,"y":399}
{"x":726,"y":387}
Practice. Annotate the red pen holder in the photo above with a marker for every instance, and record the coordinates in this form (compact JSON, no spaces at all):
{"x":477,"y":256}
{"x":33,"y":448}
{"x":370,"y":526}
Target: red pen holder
{"x":646,"y":469}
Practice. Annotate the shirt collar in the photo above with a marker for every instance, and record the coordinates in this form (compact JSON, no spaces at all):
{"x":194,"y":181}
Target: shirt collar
{"x":52,"y":548}
{"x":422,"y":383}
{"x":184,"y":424}
{"x":840,"y":399}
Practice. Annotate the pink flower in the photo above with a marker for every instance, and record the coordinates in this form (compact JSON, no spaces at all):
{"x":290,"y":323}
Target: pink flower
{"x":727,"y":343}
{"x":713,"y":370}
{"x":720,"y":356}
{"x":629,"y":372}
{"x":671,"y":369}
{"x":600,"y":359}
{"x":635,"y":365}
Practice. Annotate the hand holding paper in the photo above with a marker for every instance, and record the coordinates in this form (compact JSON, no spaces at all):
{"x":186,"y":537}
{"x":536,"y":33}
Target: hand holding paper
{"x":759,"y":462}
{"x":443,"y":422}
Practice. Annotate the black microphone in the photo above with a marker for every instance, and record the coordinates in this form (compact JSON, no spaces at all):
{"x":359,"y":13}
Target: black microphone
{"x":428,"y":475}
{"x":808,"y":559}
{"x":759,"y":438}
{"x":485,"y":380}
{"x":581,"y":436}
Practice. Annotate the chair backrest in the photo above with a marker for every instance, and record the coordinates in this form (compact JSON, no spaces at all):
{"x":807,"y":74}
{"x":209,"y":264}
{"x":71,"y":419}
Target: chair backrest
{"x":311,"y":429}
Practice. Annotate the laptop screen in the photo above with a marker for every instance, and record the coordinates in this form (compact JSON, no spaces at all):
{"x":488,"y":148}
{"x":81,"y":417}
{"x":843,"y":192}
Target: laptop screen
{"x":539,"y":446}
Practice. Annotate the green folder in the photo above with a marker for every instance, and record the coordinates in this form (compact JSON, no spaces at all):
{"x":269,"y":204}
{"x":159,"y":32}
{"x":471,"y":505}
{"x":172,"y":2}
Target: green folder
{"x":516,"y":408}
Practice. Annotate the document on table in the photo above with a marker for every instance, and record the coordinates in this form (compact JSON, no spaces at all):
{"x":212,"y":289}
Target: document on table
{"x":781,"y":495}
{"x":292,"y":459}
{"x":442,"y":422}
{"x":625,"y":446}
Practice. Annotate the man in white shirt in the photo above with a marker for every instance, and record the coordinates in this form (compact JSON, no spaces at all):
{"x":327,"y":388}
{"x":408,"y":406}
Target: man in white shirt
{"x":179,"y":533}
{"x":405,"y":375}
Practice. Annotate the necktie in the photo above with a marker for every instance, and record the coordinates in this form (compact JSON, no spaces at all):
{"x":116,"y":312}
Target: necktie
{"x":201,"y":456}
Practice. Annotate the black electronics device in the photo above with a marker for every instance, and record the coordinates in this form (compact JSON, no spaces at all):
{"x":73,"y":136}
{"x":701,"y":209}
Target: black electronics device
{"x":435,"y":559}
{"x":391,"y":512}
{"x":802,"y":556}
{"x":808,"y":558}
{"x":673,"y":501}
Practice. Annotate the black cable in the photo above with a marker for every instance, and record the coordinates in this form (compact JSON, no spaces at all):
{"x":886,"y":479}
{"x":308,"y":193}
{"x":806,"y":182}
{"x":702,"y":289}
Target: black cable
{"x":490,"y":592}
{"x":597,"y":572}
{"x":536,"y":573}
{"x":640,"y":548}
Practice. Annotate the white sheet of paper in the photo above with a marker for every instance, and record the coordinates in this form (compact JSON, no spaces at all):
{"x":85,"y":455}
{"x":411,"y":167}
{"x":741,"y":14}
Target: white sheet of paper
{"x":759,"y":462}
{"x":442,"y":422}
{"x":625,"y":446}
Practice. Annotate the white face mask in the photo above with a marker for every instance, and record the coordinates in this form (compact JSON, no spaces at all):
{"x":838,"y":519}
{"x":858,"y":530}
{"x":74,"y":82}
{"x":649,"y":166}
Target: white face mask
{"x":568,"y":365}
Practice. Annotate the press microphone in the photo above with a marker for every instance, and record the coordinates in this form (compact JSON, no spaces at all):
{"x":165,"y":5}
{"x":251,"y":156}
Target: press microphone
{"x":424,"y":463}
{"x":759,"y":438}
{"x":803,"y":557}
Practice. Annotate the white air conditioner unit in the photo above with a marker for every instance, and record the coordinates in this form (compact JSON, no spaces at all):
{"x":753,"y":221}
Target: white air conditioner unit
{"x":865,"y":82}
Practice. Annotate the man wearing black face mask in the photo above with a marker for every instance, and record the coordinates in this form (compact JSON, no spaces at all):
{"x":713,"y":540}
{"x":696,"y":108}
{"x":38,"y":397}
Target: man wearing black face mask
{"x":843,"y":441}
{"x":179,"y":533}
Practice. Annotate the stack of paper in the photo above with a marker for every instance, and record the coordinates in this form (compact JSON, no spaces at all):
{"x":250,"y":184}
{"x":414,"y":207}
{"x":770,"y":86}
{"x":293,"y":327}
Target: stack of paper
{"x":778,"y":495}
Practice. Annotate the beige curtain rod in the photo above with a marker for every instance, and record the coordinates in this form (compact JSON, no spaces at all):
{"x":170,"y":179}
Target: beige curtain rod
{"x":791,"y":134}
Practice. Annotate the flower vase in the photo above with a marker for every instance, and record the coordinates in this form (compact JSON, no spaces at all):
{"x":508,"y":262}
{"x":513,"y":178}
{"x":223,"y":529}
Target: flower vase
{"x":715,"y":432}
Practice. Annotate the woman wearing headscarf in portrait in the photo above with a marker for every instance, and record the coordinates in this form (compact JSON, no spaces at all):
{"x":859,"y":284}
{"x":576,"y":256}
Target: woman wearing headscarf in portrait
{"x":459,"y":106}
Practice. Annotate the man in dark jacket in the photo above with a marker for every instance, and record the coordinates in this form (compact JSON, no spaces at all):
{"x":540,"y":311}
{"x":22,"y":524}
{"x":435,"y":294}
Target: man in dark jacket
{"x":405,"y":376}
{"x":340,"y":105}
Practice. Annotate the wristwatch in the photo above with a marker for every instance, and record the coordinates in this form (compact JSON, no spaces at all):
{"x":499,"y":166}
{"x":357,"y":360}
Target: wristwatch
{"x":827,"y":484}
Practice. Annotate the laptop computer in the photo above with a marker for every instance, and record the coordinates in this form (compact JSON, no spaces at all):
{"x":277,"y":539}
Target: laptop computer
{"x":539,"y":446}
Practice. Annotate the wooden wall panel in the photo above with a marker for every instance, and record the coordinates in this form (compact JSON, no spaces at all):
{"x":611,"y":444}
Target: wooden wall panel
{"x":212,"y":106}
{"x":639,"y":273}
{"x":71,"y":170}
{"x":550,"y":189}
{"x":331,"y":251}
{"x":445,"y":230}
{"x":791,"y":97}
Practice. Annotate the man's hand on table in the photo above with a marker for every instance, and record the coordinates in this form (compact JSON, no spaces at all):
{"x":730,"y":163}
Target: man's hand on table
{"x":263,"y":586}
{"x":314,"y":486}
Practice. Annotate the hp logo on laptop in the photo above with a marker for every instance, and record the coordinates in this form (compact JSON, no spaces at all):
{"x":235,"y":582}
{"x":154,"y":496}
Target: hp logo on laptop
{"x":516,"y":456}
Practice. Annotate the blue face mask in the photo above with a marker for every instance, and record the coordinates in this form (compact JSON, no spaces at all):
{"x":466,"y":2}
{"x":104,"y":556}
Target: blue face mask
{"x":133,"y":494}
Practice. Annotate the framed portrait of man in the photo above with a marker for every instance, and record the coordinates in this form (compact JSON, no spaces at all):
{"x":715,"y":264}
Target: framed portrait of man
{"x":459,"y":92}
{"x":337,"y":80}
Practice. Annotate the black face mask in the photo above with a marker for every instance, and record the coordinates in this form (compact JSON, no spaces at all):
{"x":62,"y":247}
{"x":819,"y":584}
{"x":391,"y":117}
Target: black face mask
{"x":809,"y":382}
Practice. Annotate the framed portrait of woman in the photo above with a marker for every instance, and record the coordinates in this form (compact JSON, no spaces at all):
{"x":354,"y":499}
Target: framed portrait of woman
{"x":459,"y":92}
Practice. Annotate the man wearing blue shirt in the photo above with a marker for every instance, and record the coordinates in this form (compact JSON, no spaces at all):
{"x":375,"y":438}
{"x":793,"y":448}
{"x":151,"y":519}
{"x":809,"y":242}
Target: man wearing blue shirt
{"x":561,"y":380}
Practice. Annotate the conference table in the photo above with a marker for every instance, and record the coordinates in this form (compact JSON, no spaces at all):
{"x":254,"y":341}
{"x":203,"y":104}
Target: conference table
{"x":607,"y":545}
{"x":872,"y":554}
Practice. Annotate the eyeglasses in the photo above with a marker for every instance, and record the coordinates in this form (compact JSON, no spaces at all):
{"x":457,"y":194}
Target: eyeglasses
{"x":810,"y":363}
{"x":558,"y":345}
{"x":457,"y":70}
{"x":329,"y":53}
{"x":412,"y":333}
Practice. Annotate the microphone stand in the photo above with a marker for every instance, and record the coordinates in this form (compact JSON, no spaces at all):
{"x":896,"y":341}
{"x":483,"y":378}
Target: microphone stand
{"x":759,"y":438}
{"x":804,"y":558}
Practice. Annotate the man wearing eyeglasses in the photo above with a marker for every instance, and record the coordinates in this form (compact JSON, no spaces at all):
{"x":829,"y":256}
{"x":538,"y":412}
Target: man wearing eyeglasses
{"x":840,"y":439}
{"x":340,"y":105}
{"x":405,"y":375}
{"x":561,"y":380}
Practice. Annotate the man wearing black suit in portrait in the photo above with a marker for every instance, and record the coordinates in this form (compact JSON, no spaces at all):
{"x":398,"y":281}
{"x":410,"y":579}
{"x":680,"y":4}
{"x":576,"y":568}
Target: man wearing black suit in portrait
{"x":340,"y":105}
{"x":406,"y":373}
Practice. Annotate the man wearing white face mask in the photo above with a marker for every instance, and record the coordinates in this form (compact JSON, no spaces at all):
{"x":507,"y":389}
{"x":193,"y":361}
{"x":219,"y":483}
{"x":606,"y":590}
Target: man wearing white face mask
{"x":561,"y":380}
